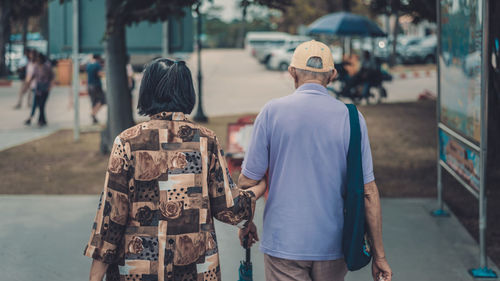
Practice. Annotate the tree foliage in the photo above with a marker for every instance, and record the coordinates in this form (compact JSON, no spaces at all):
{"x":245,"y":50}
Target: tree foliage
{"x":304,"y":12}
{"x":418,"y":9}
{"x":22,"y":9}
{"x":221,"y":34}
{"x":135,"y":11}
{"x":15,"y":11}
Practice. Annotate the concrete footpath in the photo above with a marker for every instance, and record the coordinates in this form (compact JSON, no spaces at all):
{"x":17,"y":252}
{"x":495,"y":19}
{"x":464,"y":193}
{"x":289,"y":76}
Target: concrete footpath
{"x":42,"y":238}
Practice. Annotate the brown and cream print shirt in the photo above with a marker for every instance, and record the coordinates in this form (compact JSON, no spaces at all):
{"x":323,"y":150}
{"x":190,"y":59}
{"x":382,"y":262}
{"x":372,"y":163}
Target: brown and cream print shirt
{"x":166,"y":181}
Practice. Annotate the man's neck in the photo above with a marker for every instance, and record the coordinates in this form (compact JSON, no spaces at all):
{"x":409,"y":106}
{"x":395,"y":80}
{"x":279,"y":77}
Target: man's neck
{"x":300,"y":83}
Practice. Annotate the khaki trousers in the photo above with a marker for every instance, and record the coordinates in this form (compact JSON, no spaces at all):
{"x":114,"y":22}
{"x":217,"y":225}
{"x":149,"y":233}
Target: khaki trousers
{"x":290,"y":270}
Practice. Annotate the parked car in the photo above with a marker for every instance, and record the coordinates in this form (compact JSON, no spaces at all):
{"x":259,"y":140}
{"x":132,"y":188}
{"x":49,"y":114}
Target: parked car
{"x":422,"y":52}
{"x":472,"y":64}
{"x":264,"y":54}
{"x":255,"y":41}
{"x":379,"y":47}
{"x":280,"y":59}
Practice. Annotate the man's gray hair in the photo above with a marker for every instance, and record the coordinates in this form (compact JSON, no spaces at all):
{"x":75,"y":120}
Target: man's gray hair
{"x":314,"y":62}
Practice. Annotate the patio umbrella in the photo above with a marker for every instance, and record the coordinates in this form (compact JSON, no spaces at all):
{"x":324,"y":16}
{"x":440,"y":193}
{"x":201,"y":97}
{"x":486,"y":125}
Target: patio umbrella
{"x":245,"y":271}
{"x":345,"y":24}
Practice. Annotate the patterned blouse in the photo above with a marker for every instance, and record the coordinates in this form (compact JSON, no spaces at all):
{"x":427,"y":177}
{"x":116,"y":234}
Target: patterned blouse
{"x":165,"y":181}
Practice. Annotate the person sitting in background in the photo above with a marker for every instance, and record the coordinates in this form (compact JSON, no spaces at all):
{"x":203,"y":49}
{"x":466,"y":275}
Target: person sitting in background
{"x":94,"y":84}
{"x":167,"y":180}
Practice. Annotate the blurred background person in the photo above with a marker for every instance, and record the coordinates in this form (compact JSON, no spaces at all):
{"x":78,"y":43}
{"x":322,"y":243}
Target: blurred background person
{"x":96,"y":94}
{"x":25,"y":75}
{"x":43,"y":77}
{"x":130,"y":76}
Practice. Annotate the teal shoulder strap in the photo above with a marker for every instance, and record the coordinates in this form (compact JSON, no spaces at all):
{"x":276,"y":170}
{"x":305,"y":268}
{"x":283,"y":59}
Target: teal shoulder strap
{"x":354,"y":165}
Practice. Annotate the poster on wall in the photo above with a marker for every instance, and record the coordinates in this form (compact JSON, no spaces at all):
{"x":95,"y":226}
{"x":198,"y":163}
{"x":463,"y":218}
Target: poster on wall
{"x":460,"y":62}
{"x":461,"y":159}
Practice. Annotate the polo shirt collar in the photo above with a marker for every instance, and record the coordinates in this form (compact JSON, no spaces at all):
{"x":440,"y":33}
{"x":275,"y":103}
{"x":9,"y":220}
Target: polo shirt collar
{"x":312,"y":88}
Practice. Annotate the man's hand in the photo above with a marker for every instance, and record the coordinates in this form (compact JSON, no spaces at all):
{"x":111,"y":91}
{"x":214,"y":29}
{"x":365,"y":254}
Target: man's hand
{"x":251,"y":231}
{"x":381,"y":270}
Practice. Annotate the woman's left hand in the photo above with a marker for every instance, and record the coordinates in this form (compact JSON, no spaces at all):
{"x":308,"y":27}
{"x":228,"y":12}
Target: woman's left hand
{"x":251,"y":231}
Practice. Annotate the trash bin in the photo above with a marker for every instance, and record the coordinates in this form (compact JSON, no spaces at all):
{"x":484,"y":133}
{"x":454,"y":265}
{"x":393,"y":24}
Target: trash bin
{"x":64,"y":72}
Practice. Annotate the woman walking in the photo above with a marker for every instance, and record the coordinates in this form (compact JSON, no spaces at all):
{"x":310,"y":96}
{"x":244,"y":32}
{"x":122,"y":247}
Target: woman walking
{"x":166,"y":180}
{"x":42,"y":76}
{"x":27,"y":86}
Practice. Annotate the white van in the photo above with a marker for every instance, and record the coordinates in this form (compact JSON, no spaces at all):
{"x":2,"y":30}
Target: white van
{"x":261,"y":44}
{"x":258,"y":40}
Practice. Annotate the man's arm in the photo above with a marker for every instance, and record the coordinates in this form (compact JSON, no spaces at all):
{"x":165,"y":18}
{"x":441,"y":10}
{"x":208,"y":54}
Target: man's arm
{"x":380,"y":267}
{"x":244,"y":182}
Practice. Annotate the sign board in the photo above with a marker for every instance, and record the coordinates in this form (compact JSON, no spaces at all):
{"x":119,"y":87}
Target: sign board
{"x":461,"y":159}
{"x":460,"y":88}
{"x":142,"y":38}
{"x":463,"y":81}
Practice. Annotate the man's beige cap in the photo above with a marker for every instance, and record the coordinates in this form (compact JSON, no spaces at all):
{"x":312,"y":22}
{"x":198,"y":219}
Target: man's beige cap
{"x":309,"y":49}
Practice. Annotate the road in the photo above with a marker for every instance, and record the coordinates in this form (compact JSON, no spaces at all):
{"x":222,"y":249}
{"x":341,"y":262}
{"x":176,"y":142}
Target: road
{"x":233,"y":83}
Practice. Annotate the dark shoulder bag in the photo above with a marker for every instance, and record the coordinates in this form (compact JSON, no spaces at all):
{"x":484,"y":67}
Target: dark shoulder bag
{"x":354,"y":241}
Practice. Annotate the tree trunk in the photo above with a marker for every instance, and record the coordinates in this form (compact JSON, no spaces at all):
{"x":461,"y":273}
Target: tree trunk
{"x":4,"y":35}
{"x":346,"y":5}
{"x":117,"y":93}
{"x":395,"y":32}
{"x":25,"y":33}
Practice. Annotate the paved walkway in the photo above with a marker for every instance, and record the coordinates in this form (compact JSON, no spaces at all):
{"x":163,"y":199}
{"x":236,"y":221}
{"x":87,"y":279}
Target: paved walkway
{"x":42,"y":238}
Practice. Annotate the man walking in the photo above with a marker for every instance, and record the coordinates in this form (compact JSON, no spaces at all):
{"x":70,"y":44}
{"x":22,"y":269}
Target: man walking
{"x":96,"y":94}
{"x":303,"y":139}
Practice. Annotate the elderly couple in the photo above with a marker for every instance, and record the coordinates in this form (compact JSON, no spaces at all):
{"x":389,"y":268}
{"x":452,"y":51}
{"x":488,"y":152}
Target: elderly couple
{"x":167,"y":180}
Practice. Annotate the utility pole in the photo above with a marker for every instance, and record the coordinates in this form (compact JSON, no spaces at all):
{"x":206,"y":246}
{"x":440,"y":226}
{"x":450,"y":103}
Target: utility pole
{"x":164,"y":45}
{"x":76,"y":72}
{"x":200,"y":116}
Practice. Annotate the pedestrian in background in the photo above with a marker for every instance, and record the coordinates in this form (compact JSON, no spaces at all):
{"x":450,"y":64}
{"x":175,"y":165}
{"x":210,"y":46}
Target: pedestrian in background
{"x":25,"y":76}
{"x":303,"y":140}
{"x":130,"y":75}
{"x":94,"y":84}
{"x":167,"y":180}
{"x":42,"y":77}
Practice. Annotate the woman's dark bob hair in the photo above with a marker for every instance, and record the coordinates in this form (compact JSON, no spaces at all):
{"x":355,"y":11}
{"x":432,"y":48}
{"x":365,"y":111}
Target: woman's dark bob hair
{"x":166,"y":86}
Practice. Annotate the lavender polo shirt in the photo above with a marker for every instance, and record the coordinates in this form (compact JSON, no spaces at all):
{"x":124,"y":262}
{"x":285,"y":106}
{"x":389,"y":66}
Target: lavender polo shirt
{"x":303,"y":140}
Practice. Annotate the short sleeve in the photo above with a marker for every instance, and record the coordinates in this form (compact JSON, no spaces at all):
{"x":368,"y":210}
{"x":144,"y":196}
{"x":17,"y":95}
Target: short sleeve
{"x":228,"y":203}
{"x":366,"y":153}
{"x":256,"y":159}
{"x":113,"y":208}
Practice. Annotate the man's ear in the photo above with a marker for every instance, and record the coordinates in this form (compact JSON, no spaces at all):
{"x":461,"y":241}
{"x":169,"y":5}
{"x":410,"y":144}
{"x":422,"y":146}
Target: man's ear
{"x":333,"y":75}
{"x":293,"y":72}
